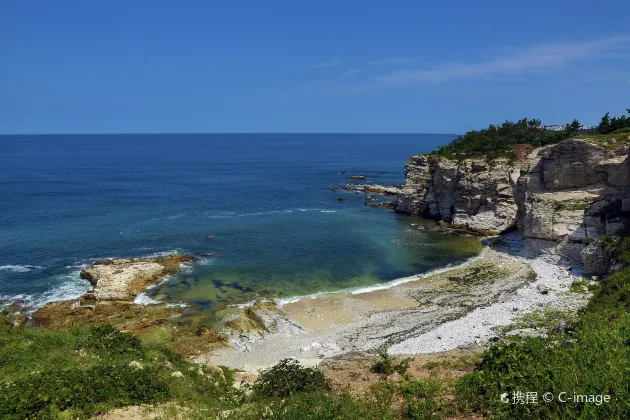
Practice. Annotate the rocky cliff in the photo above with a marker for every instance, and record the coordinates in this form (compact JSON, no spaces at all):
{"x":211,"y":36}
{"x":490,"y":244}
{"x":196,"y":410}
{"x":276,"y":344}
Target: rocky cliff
{"x":572,"y":192}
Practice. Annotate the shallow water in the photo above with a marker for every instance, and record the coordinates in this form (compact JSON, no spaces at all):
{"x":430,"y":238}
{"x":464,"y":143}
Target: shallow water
{"x":278,"y":229}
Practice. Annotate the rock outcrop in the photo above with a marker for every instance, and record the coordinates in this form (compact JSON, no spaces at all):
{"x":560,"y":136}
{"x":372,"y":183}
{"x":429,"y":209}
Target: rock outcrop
{"x":116,"y":283}
{"x":122,"y":279}
{"x":572,"y":192}
{"x":471,"y":193}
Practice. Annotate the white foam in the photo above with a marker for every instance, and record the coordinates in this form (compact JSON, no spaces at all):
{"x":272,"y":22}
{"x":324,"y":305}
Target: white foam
{"x":71,"y":287}
{"x":163,"y":253}
{"x":143,"y":299}
{"x":328,"y":211}
{"x":19,"y":268}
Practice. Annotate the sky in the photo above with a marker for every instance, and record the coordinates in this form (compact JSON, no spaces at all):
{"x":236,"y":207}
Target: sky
{"x":152,"y":66}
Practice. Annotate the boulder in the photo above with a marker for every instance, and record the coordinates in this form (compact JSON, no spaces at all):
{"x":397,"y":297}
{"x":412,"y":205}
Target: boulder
{"x":595,"y":260}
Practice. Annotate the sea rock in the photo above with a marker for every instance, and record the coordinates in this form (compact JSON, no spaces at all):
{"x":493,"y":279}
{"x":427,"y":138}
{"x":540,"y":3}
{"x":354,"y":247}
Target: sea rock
{"x":122,"y":279}
{"x":471,"y":193}
{"x":116,"y":283}
{"x":207,"y":254}
{"x":259,"y":320}
{"x":357,"y":177}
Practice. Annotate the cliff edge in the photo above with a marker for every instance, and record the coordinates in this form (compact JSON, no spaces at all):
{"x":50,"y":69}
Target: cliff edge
{"x":572,"y":192}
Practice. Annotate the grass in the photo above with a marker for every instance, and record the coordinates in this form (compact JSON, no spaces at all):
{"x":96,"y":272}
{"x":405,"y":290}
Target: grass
{"x":85,"y":370}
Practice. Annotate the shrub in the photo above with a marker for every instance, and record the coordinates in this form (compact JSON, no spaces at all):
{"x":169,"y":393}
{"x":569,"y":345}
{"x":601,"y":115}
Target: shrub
{"x":82,"y":390}
{"x":497,"y":140}
{"x":105,"y":339}
{"x":386,"y":365}
{"x":287,"y":378}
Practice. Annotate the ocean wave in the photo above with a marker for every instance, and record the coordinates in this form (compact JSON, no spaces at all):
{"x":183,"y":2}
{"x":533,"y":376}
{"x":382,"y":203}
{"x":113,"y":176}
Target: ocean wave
{"x":71,"y":286}
{"x":143,"y":299}
{"x":19,"y":268}
{"x":164,"y":253}
{"x":383,"y":286}
{"x":262,"y":213}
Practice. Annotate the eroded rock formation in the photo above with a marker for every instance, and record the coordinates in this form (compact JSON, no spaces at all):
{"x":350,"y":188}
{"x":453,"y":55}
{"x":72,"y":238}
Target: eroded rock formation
{"x":572,"y":192}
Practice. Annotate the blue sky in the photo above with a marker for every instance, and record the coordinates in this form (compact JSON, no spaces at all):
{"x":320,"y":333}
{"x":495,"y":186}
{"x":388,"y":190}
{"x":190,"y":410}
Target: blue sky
{"x":291,"y":66}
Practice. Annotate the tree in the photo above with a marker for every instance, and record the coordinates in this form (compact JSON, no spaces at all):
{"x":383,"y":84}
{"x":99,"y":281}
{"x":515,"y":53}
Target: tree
{"x":573,"y":128}
{"x":605,"y":126}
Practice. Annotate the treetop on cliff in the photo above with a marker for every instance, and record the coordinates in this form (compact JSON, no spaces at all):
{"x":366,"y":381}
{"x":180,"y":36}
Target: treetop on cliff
{"x":499,"y":140}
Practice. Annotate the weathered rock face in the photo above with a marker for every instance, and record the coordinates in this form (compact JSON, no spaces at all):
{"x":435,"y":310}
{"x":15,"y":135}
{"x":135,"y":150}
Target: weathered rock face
{"x":471,"y":193}
{"x":572,"y":192}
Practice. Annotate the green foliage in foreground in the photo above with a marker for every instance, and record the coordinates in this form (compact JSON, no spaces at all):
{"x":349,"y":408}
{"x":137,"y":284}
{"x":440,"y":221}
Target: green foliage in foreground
{"x":86,"y":370}
{"x":288,"y":378}
{"x":595,"y":361}
{"x":592,"y":359}
{"x":386,"y":366}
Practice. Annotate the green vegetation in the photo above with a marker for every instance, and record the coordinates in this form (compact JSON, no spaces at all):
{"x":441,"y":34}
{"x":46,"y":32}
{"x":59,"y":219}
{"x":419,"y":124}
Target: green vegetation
{"x":497,"y":140}
{"x":386,"y":365}
{"x":615,"y":124}
{"x":288,"y":378}
{"x":592,"y":357}
{"x":507,"y":139}
{"x":79,"y":372}
{"x":82,"y":371}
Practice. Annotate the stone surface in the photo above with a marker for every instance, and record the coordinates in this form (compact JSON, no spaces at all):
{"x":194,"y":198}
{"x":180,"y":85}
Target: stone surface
{"x":471,"y":193}
{"x":572,"y":192}
{"x":595,"y":260}
{"x":122,"y":279}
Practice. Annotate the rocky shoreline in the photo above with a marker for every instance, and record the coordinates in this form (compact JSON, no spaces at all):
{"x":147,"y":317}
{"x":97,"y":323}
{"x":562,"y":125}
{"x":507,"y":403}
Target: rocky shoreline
{"x":428,"y":313}
{"x":116,"y":285}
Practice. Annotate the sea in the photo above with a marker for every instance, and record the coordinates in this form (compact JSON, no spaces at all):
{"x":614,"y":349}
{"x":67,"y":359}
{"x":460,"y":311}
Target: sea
{"x":262,"y":207}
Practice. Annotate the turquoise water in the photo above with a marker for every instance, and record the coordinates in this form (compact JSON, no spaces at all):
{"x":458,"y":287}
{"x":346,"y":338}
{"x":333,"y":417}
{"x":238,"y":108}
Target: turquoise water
{"x":278,"y":229}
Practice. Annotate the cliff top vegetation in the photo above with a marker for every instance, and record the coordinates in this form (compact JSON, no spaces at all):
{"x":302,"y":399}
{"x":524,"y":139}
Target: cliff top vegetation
{"x":498,"y":141}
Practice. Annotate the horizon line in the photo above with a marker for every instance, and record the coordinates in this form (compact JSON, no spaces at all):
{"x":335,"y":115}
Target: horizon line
{"x":218,"y":133}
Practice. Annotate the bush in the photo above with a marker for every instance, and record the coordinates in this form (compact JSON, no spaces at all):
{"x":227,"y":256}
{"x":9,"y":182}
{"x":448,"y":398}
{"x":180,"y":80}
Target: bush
{"x":386,"y":365}
{"x":287,"y":378}
{"x":107,"y":340}
{"x":82,"y":390}
{"x":496,"y":140}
